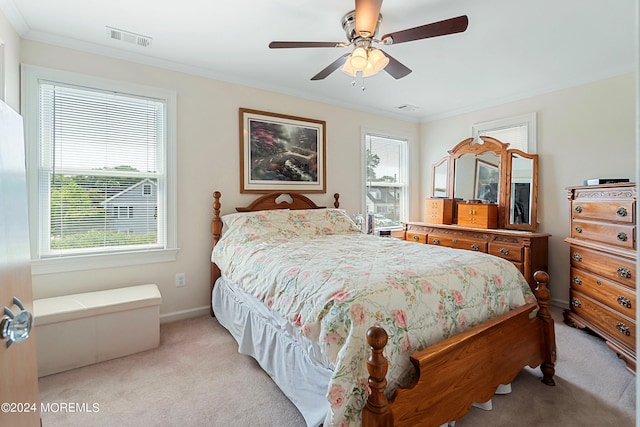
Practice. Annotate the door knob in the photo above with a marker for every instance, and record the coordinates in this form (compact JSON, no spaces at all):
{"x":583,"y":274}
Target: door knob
{"x":15,"y":327}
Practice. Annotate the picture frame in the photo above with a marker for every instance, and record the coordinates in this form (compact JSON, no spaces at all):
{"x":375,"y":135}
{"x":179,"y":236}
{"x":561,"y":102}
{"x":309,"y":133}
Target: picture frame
{"x":279,"y":152}
{"x":487,"y":181}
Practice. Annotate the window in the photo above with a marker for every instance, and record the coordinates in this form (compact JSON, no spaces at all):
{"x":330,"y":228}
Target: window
{"x":385,"y":176}
{"x":95,"y":150}
{"x":519,"y":132}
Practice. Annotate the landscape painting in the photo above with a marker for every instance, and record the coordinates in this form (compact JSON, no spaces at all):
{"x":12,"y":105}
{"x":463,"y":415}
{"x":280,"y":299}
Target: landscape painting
{"x":281,"y":153}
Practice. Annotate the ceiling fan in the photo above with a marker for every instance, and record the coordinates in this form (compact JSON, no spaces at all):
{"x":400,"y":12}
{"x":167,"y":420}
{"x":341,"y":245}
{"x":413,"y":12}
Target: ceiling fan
{"x":361,"y":27}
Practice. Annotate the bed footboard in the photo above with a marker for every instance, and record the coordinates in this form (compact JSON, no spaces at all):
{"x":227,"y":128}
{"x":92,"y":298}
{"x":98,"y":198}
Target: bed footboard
{"x":463,"y":369}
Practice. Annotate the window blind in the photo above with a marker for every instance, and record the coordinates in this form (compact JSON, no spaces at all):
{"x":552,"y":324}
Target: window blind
{"x":516,"y":136}
{"x":101,"y":179}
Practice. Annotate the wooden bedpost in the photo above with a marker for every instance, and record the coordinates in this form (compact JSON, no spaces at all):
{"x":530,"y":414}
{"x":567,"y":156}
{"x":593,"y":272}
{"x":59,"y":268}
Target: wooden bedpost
{"x":216,"y":232}
{"x":336,"y":203}
{"x":544,"y":300}
{"x":376,"y":411}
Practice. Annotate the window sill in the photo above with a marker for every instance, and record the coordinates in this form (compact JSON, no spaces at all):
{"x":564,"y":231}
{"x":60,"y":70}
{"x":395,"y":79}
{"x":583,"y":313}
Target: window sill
{"x":98,"y":261}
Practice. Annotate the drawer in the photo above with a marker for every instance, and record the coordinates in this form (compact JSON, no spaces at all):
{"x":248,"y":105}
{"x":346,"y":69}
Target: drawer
{"x":507,"y":251}
{"x":416,"y":236}
{"x":438,"y":211}
{"x":616,"y":325}
{"x":478,"y":215}
{"x":611,"y":294}
{"x":614,"y":210}
{"x":457,"y":242}
{"x":617,"y":269}
{"x":614,"y":234}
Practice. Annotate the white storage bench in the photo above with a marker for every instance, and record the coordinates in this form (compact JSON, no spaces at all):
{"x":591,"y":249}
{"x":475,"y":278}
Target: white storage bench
{"x":82,"y":329}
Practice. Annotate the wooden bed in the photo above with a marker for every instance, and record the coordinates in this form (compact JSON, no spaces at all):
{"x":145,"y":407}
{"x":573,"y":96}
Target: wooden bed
{"x":454,"y":373}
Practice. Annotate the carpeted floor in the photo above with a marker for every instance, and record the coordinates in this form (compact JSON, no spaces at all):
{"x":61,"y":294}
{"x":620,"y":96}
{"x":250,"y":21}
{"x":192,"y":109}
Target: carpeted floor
{"x":197,"y":378}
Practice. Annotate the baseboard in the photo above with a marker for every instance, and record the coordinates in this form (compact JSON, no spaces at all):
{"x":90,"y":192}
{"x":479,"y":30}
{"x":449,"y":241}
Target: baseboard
{"x":184,"y":314}
{"x":560,"y":303}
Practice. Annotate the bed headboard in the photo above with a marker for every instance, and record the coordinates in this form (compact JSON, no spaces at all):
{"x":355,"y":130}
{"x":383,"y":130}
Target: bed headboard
{"x":268,"y":201}
{"x":284,"y":201}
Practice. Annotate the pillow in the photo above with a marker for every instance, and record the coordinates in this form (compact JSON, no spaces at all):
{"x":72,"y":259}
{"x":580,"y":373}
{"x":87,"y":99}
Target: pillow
{"x":286,"y":223}
{"x":315,"y":222}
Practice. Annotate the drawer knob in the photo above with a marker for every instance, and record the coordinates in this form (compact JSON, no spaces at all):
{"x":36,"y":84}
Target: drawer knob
{"x":576,"y":256}
{"x":454,"y":241}
{"x":622,"y":236}
{"x":504,"y":251}
{"x":623,"y":329}
{"x":624,"y":272}
{"x":577,"y":280}
{"x":576,"y":302}
{"x":436,"y":241}
{"x":621,"y":211}
{"x":475,"y":247}
{"x":578,"y":209}
{"x":416,"y":238}
{"x":579,"y":229}
{"x":624,"y":301}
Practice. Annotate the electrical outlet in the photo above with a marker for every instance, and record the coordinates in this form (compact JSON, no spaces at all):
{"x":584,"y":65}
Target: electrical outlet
{"x":181,"y":280}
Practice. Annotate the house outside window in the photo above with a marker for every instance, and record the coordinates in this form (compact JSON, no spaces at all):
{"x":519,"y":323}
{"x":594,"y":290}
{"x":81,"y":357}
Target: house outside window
{"x":100,"y":170}
{"x":385,"y":180}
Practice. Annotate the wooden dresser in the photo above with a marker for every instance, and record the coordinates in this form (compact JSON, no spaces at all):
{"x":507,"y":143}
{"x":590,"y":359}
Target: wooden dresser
{"x":525,"y":249}
{"x":603,"y":265}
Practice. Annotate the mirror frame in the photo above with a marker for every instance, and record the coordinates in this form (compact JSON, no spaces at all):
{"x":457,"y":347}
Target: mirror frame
{"x":501,"y":149}
{"x":534,"y":191}
{"x":434,"y":168}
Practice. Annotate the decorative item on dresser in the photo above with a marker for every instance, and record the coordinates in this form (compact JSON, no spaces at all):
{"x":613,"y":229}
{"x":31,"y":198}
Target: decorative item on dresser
{"x":603,"y":265}
{"x":503,"y":225}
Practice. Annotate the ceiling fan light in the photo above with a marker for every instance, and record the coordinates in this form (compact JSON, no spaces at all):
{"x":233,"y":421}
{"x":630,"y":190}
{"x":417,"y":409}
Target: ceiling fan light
{"x":378,"y":60}
{"x":358,"y":59}
{"x":348,"y":69}
{"x":369,"y":70}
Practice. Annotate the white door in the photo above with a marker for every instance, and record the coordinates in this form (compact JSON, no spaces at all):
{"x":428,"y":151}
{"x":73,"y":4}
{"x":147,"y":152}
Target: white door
{"x":19,"y":403}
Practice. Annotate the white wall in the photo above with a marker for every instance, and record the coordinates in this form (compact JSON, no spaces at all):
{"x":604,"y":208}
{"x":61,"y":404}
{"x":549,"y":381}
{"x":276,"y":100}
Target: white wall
{"x":208,"y":160}
{"x":10,"y":42}
{"x":584,"y":132}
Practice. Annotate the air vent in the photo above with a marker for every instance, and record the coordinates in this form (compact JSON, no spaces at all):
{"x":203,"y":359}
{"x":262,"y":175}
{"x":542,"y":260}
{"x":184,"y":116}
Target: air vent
{"x":128,"y":37}
{"x":408,"y":107}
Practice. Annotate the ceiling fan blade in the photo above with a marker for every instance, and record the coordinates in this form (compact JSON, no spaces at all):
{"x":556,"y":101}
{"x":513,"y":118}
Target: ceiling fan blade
{"x":289,"y":45}
{"x":367,"y":14}
{"x":331,"y":67}
{"x":395,"y":68}
{"x":435,"y":29}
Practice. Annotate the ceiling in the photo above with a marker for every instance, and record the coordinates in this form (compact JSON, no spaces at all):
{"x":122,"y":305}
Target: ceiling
{"x":510,"y":50}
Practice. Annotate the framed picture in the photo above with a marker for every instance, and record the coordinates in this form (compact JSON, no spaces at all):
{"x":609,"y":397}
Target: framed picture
{"x":487,"y":181}
{"x":281,"y":153}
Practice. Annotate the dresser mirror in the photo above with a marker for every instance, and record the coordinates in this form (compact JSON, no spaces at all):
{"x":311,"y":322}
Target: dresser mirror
{"x":522,"y":188}
{"x":489,"y":172}
{"x":440,"y":178}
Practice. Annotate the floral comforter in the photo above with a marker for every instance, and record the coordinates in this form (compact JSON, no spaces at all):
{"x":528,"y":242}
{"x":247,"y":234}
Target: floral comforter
{"x":317,"y":269}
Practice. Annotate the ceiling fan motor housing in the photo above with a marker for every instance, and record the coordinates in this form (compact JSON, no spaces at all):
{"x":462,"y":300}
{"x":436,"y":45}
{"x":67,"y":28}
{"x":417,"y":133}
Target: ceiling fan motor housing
{"x":349,"y":26}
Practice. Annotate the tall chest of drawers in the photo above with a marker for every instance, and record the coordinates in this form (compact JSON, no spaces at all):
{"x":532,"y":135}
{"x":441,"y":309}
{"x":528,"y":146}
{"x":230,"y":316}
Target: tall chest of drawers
{"x":603,"y":265}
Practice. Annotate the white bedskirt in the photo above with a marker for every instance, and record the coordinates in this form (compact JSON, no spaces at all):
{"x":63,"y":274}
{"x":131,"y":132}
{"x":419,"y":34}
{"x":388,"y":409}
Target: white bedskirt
{"x":269,"y":340}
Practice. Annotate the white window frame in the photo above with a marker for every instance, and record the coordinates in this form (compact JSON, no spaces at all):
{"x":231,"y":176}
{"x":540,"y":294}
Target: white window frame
{"x":2,"y":73}
{"x":31,"y":75}
{"x":529,"y":120}
{"x":405,"y":156}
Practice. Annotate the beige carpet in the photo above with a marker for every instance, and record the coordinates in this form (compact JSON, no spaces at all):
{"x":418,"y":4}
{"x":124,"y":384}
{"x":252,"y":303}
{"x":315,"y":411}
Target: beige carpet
{"x":197,"y":378}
